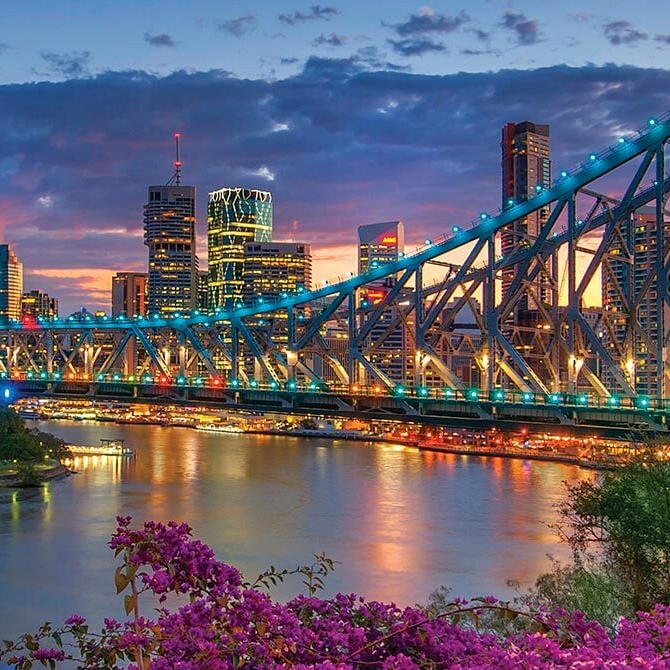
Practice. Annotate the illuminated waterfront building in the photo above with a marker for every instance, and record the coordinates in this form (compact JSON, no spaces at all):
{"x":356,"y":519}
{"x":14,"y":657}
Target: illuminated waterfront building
{"x":11,"y":283}
{"x":169,"y":232}
{"x":129,"y":294}
{"x":235,"y":217}
{"x":380,"y":244}
{"x":526,"y":170}
{"x":36,"y":303}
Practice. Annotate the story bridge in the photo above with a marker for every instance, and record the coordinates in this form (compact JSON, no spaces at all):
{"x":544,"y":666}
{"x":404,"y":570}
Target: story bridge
{"x":431,"y":337}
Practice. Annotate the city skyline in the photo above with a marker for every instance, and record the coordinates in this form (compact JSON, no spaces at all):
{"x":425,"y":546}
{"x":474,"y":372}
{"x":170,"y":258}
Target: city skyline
{"x":340,"y":139}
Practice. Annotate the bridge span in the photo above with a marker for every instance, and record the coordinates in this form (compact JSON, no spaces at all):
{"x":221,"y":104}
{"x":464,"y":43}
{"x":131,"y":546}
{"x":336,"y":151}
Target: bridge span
{"x":434,"y":336}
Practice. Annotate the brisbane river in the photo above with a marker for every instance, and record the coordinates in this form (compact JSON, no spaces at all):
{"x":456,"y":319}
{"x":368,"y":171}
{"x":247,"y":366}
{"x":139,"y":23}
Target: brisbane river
{"x":400,"y":522}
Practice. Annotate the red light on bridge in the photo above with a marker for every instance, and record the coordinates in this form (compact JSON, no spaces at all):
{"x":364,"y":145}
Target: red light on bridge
{"x":216,"y":381}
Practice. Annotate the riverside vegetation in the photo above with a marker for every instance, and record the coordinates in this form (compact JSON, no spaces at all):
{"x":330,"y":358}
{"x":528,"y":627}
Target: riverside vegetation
{"x":609,"y":608}
{"x":26,"y":454}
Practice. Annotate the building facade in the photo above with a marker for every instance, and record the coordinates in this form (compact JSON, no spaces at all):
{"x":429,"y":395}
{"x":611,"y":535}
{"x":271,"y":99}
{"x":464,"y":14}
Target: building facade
{"x":35,"y":303}
{"x":630,"y":290}
{"x":11,"y":283}
{"x":380,"y":244}
{"x":273,"y":268}
{"x":129,"y":294}
{"x":235,"y":217}
{"x":169,"y":234}
{"x":526,"y":169}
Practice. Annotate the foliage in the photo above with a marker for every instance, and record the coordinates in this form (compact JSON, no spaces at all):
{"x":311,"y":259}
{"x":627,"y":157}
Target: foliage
{"x":587,"y":587}
{"x":28,"y":475}
{"x":54,"y":446}
{"x":225,"y":623}
{"x":16,"y":441}
{"x":621,"y":522}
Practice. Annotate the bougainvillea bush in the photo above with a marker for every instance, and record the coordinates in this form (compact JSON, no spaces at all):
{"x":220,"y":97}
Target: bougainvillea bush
{"x":221,"y":622}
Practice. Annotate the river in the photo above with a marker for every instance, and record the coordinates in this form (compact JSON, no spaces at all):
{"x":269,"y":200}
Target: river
{"x":401,"y":522}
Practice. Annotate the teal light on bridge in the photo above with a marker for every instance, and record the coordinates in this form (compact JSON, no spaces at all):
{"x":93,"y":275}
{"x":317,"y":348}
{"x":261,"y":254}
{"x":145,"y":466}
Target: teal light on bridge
{"x":43,"y":375}
{"x":292,"y":386}
{"x":527,"y":396}
{"x":101,"y":378}
{"x":3,"y":375}
{"x":116,"y":377}
{"x":399,"y":390}
{"x":582,"y":399}
{"x":448,"y":393}
{"x":592,"y":157}
{"x":181,"y":381}
{"x":234,"y":383}
{"x":642,"y":402}
{"x":148,"y":379}
{"x":614,"y":401}
{"x":422,"y":392}
{"x":253,"y":383}
{"x":499,"y":395}
{"x":473,"y":394}
{"x":56,"y":375}
{"x":274,"y":385}
{"x":30,"y":374}
{"x":555,"y":398}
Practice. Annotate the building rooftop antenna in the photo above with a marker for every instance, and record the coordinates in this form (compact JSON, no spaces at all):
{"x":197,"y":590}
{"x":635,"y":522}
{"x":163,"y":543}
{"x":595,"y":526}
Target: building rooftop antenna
{"x":176,"y":177}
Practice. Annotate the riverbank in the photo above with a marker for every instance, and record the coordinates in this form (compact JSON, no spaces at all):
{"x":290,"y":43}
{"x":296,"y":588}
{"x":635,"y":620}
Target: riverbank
{"x":11,"y":479}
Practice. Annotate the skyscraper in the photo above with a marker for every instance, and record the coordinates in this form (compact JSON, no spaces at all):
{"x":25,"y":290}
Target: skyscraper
{"x":378,"y":245}
{"x":169,"y":233}
{"x":272,"y":268}
{"x":634,"y":314}
{"x":11,"y":283}
{"x":235,"y":216}
{"x":526,"y":168}
{"x":129,"y":294}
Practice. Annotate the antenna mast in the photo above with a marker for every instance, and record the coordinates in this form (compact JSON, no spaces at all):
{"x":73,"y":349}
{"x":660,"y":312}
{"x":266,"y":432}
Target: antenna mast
{"x":177,"y":163}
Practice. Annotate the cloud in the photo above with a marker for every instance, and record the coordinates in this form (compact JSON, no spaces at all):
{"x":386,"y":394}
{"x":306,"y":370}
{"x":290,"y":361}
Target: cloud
{"x":416,"y":47}
{"x":159,"y":40}
{"x":622,"y":32}
{"x":4,"y":47}
{"x":316,"y":12}
{"x":429,"y":22}
{"x":71,"y":65}
{"x":665,"y":39}
{"x":338,"y":143}
{"x":525,"y":30}
{"x":289,"y":61}
{"x":333,"y":40}
{"x":240,"y":26}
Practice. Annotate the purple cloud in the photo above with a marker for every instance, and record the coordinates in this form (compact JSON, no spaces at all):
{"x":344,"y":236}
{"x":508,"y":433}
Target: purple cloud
{"x":526,"y":30}
{"x":622,"y":32}
{"x":70,"y":65}
{"x":239,"y":26}
{"x":316,"y":12}
{"x":159,"y":40}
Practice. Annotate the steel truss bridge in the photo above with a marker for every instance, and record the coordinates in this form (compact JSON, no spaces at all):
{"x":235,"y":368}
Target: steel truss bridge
{"x":430,"y":337}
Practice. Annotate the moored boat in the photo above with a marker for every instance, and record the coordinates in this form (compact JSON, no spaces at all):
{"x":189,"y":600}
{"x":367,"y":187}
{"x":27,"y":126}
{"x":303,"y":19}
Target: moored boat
{"x":114,"y":447}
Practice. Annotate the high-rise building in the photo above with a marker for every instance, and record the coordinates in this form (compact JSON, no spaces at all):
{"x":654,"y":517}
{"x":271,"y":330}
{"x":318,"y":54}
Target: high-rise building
{"x":36,"y":303}
{"x":235,"y":216}
{"x":129,"y":294}
{"x":526,"y":169}
{"x":273,"y":268}
{"x":380,"y":244}
{"x":625,"y":283}
{"x":11,"y":283}
{"x":169,"y":233}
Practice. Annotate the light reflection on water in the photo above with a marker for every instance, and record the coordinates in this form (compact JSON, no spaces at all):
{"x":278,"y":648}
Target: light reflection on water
{"x":401,"y":522}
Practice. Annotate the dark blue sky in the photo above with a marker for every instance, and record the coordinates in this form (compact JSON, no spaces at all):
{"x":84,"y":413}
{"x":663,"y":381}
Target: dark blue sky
{"x":343,"y":134}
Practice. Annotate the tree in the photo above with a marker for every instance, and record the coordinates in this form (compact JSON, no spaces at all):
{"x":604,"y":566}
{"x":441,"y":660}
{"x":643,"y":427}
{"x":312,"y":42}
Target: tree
{"x":621,"y":520}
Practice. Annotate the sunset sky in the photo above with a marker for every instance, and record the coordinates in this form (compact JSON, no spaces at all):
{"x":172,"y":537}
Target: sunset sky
{"x":349,"y":112}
